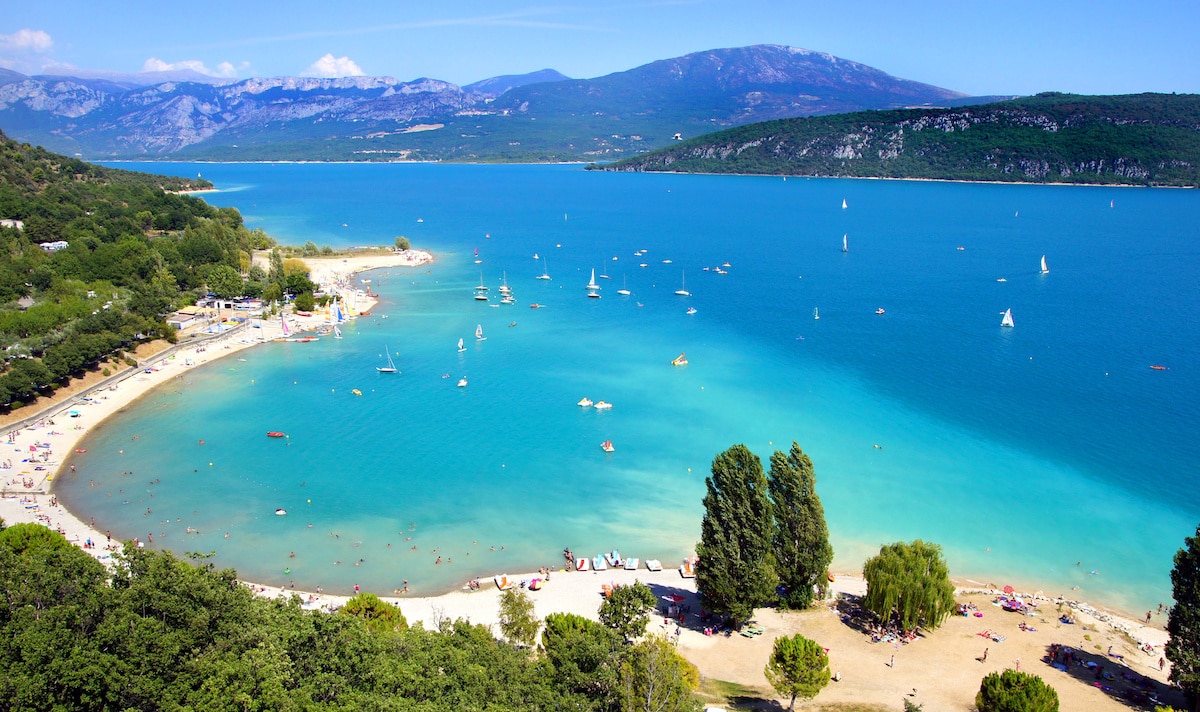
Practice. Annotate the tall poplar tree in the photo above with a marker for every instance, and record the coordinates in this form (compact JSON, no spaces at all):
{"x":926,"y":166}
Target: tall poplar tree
{"x":1183,"y":625}
{"x":801,"y":537}
{"x":735,"y":573}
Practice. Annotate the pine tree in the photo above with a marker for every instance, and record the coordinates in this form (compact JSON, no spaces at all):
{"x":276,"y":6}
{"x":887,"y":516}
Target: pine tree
{"x":1012,"y":691}
{"x":801,"y":539}
{"x":735,"y":573}
{"x":798,"y":668}
{"x":1183,"y":625}
{"x":909,"y":583}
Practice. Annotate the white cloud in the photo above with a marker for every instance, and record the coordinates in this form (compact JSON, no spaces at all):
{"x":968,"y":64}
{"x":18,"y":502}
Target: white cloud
{"x":26,"y":41}
{"x":330,"y":66}
{"x":224,"y":69}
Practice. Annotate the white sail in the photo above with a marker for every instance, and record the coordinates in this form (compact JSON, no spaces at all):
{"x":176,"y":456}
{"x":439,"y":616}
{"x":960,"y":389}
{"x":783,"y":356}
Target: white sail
{"x":1045,"y":269}
{"x":479,"y":333}
{"x":845,"y":246}
{"x":1007,"y":320}
{"x":592,"y":282}
{"x":337,"y":333}
{"x":391,"y":367}
{"x":682,"y":291}
{"x":843,"y":203}
{"x":816,"y":313}
{"x":460,"y":345}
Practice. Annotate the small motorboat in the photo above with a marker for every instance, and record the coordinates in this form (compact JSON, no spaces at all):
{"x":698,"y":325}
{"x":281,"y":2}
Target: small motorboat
{"x":879,"y":310}
{"x":356,"y":392}
{"x":691,"y":310}
{"x":462,"y":383}
{"x":680,"y":360}
{"x":280,"y":512}
{"x":275,"y":434}
{"x":607,"y":446}
{"x":603,"y":405}
{"x":584,"y":402}
{"x":1157,"y":367}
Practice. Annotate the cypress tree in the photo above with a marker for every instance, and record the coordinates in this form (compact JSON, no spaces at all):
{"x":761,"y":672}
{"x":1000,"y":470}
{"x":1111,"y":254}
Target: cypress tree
{"x":1183,"y":625}
{"x":801,"y":537}
{"x":735,"y":574}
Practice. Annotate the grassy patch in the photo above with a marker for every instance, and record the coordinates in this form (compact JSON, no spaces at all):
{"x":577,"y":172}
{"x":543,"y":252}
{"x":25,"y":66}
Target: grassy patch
{"x":732,"y":696}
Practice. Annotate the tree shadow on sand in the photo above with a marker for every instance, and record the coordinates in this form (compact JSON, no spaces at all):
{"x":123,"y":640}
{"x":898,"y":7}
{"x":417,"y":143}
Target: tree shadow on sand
{"x":1113,"y":675}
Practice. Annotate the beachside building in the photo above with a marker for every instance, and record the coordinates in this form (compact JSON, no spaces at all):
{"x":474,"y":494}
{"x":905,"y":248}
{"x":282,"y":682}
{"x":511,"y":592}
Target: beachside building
{"x":55,"y":246}
{"x":15,"y":224}
{"x":185,"y":318}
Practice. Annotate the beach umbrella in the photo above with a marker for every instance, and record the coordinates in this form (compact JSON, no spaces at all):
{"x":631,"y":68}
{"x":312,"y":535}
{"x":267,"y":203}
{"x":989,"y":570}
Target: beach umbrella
{"x":1008,"y":589}
{"x":675,"y":598}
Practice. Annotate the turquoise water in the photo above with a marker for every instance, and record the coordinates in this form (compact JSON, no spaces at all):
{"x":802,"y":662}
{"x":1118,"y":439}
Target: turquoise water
{"x":1022,"y":451}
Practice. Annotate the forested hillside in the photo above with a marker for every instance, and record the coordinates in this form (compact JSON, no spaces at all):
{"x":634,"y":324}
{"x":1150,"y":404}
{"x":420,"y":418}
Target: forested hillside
{"x":1138,"y":139}
{"x":159,"y":633}
{"x":134,"y":251}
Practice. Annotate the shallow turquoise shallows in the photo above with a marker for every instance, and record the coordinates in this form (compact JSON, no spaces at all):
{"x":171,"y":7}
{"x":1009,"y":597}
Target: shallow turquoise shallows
{"x":1048,"y":455}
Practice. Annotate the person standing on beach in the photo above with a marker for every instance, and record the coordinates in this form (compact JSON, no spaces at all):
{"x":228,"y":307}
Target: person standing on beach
{"x":985,"y":652}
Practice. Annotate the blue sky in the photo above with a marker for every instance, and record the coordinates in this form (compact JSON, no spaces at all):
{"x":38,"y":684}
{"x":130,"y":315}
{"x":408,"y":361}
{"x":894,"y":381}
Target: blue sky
{"x":1014,"y":47}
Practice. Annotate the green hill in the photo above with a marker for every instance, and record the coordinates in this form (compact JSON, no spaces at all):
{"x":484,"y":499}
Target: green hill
{"x":129,"y":249}
{"x":1137,"y":139}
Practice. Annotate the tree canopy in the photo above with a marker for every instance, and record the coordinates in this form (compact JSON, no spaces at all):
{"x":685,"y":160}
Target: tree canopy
{"x":910,"y":584}
{"x":1183,"y":625}
{"x":798,"y":668}
{"x":801,"y":537}
{"x":626,"y":610}
{"x":517,"y":621}
{"x":734,"y":573}
{"x":1012,"y":691}
{"x":158,"y":632}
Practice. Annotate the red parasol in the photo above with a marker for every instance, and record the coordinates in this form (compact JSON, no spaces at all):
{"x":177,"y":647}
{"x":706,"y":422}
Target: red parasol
{"x":1008,"y":589}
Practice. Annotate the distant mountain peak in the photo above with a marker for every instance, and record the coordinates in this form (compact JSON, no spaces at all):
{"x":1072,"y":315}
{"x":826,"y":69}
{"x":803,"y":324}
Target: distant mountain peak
{"x":495,"y":86}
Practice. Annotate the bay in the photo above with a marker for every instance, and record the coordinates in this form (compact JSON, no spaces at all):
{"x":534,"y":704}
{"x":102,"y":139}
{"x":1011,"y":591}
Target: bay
{"x":1048,"y":455}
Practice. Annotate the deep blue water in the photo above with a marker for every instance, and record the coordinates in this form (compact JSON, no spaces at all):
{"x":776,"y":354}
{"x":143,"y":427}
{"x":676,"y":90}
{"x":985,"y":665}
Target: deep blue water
{"x":1022,"y":451}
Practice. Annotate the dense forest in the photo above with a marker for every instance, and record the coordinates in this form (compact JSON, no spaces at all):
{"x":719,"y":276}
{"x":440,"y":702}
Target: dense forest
{"x":1138,"y":139}
{"x":155,"y":632}
{"x":135,"y":250}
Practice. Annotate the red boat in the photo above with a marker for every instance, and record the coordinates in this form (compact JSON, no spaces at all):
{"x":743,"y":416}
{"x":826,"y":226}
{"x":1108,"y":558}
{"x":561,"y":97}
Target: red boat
{"x":1156,"y":367}
{"x":275,"y":434}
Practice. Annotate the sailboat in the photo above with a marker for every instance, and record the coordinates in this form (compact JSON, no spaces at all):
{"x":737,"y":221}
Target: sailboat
{"x":1007,"y":320}
{"x":286,"y":330}
{"x":477,"y":260}
{"x":337,"y":333}
{"x":592,"y":287}
{"x":843,"y":203}
{"x":624,"y":290}
{"x":845,"y":247}
{"x":479,"y":333}
{"x":816,"y":313}
{"x":1045,"y":269}
{"x":504,"y":288}
{"x":682,"y":291}
{"x":481,"y":290}
{"x":545,"y":270}
{"x":604,"y":275}
{"x":391,"y":367}
{"x":461,"y":348}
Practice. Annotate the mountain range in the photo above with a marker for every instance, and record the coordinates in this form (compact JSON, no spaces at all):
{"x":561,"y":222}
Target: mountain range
{"x":538,"y":116}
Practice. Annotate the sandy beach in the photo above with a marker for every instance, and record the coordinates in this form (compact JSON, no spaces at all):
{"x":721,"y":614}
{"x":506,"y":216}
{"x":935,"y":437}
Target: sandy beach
{"x":942,"y":670}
